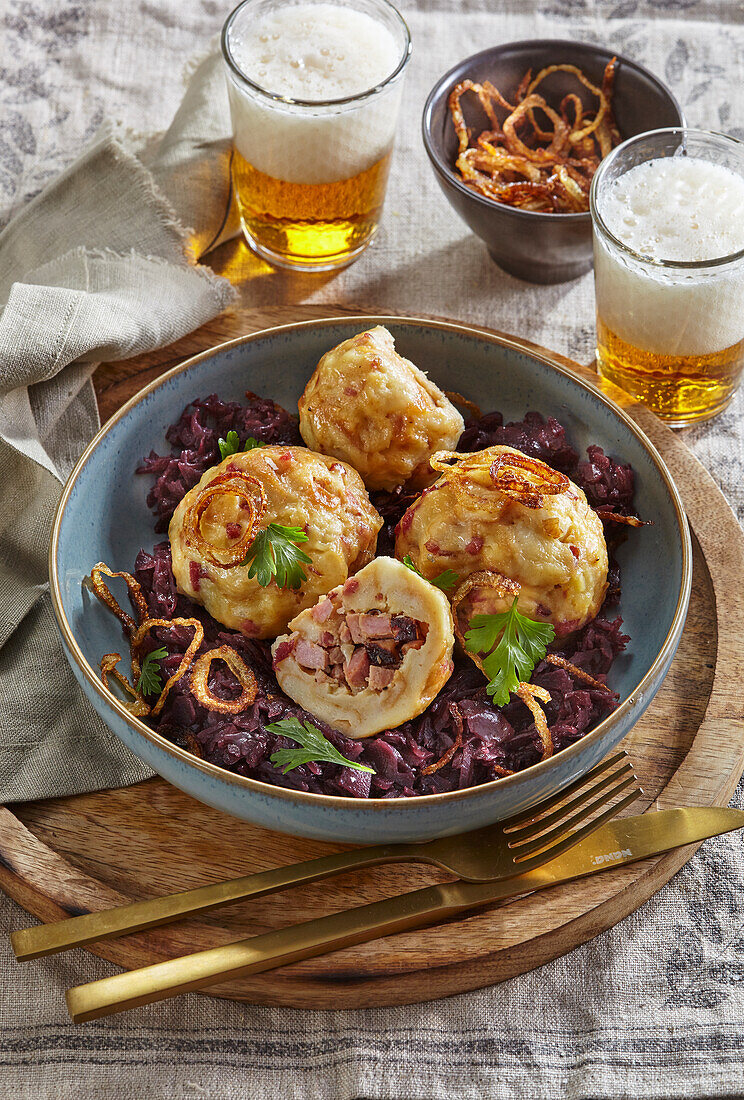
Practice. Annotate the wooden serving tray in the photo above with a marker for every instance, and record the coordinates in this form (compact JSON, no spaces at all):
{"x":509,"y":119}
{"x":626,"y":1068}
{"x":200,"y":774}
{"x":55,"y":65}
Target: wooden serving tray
{"x":72,"y":855}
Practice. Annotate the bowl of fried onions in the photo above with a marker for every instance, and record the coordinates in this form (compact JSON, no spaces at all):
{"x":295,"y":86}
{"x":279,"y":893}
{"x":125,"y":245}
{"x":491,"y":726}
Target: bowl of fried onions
{"x":515,"y":134}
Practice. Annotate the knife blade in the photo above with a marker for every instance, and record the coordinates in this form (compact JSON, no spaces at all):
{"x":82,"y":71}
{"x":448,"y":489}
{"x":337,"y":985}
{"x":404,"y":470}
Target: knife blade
{"x":625,"y":840}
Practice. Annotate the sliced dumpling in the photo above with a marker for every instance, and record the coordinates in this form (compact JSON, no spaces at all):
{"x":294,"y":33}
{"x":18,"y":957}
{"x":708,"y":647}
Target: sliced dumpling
{"x":371,"y":407}
{"x":370,"y":655}
{"x":237,"y":501}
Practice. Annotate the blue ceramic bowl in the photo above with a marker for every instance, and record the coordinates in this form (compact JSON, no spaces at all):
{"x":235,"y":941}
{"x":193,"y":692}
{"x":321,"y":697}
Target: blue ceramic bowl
{"x":102,"y":516}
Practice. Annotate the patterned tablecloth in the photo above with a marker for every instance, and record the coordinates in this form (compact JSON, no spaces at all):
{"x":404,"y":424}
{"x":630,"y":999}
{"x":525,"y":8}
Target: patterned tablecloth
{"x":654,"y":1007}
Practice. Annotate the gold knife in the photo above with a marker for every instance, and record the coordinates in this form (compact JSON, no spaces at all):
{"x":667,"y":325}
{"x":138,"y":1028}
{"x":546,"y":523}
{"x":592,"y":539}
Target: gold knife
{"x":622,"y":841}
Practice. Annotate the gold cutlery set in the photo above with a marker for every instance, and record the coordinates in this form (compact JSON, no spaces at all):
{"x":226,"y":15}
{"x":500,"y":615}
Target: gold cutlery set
{"x":568,"y":837}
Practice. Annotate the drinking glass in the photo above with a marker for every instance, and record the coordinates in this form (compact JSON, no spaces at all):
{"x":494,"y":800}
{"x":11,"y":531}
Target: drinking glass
{"x":309,"y":176}
{"x":670,"y":332}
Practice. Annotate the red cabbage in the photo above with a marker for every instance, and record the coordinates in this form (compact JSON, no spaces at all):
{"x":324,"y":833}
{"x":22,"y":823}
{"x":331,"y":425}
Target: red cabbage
{"x":490,"y":736}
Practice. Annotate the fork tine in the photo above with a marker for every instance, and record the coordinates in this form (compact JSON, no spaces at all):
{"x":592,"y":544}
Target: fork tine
{"x":532,"y":814}
{"x":546,"y":839}
{"x":525,"y":863}
{"x":543,"y":823}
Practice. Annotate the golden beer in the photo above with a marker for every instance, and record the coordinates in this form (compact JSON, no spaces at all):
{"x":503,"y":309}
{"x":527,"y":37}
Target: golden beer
{"x":310,"y":223}
{"x":679,"y":388}
{"x":669,"y":271}
{"x":315,"y":89}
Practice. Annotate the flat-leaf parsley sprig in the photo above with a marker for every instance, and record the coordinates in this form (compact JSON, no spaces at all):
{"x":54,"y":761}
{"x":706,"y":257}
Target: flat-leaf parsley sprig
{"x":231,"y":444}
{"x":312,"y":747}
{"x":275,"y":552}
{"x":151,"y":680}
{"x":446,"y":580}
{"x":510,"y":645}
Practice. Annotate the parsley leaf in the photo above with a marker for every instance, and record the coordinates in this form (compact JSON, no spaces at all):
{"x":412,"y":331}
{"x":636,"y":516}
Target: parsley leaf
{"x":446,"y":580}
{"x":313,"y":746}
{"x":275,"y":553}
{"x":522,"y":642}
{"x":150,"y":681}
{"x":231,"y":445}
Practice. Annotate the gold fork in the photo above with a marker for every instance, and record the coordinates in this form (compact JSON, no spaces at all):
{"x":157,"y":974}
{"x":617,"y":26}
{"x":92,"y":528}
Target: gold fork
{"x":499,"y":851}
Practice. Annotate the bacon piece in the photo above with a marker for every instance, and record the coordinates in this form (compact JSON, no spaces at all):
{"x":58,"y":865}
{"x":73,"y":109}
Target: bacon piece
{"x":380,"y":678}
{"x":375,"y":626}
{"x":356,"y":669}
{"x":311,"y":655}
{"x":321,"y":612}
{"x":283,"y":651}
{"x":195,"y":575}
{"x":355,"y":630}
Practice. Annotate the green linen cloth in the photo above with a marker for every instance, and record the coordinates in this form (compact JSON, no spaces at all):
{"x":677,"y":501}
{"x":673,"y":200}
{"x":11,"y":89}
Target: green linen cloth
{"x":101,"y":265}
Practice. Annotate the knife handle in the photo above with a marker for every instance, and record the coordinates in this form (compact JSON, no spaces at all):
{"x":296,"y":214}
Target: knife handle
{"x":258,"y":953}
{"x":47,"y":939}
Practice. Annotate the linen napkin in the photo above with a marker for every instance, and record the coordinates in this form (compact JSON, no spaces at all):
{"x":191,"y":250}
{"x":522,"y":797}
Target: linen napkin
{"x":103,"y":264}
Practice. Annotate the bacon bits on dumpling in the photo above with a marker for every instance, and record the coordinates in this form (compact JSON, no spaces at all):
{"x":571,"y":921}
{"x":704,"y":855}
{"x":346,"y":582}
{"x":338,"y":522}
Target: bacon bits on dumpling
{"x":320,"y":495}
{"x":371,"y":407}
{"x":370,"y":655}
{"x":498,"y":510}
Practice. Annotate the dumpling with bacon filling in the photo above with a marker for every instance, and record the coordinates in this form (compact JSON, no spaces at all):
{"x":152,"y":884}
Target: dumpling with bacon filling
{"x":370,"y":655}
{"x":499,"y":511}
{"x":376,"y":410}
{"x":246,"y":497}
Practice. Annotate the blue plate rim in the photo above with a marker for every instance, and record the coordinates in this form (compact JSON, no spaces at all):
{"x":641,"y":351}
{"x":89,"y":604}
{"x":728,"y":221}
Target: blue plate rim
{"x":553,"y":360}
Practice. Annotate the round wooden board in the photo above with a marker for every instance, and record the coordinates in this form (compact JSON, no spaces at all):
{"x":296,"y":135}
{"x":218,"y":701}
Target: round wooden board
{"x":71,"y":855}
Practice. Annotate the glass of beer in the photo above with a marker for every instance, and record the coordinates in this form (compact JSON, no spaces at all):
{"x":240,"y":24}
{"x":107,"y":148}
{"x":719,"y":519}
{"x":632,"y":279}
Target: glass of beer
{"x":668,"y":215}
{"x":315,"y":89}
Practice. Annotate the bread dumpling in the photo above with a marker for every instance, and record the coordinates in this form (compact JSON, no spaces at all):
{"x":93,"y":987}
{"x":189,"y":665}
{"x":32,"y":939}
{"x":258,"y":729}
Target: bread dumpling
{"x":320,"y":495}
{"x":498,"y":510}
{"x":370,"y":655}
{"x":371,"y":407}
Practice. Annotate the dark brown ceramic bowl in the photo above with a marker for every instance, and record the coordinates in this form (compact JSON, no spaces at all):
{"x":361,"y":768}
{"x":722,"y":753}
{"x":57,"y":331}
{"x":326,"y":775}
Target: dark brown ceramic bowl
{"x":538,"y":247}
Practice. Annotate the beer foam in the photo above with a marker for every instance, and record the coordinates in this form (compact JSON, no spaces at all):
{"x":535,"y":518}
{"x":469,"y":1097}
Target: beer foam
{"x":675,"y":209}
{"x":313,"y":52}
{"x":316,"y":52}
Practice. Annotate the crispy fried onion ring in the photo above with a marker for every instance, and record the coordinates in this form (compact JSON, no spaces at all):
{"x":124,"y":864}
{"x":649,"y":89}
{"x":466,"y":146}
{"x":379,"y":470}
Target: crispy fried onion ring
{"x":230,"y":483}
{"x":186,"y":660}
{"x":615,"y":517}
{"x":531,"y":490}
{"x":138,"y":707}
{"x":538,"y":157}
{"x":576,"y":135}
{"x":507,"y":475}
{"x":465,"y":460}
{"x":430,"y":769}
{"x":579,"y":673}
{"x":529,"y":694}
{"x":558,"y":139}
{"x":239,"y":669}
{"x":487,"y":95}
{"x":464,"y":403}
{"x":484,"y":578}
{"x":200,"y":673}
{"x":104,"y":595}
